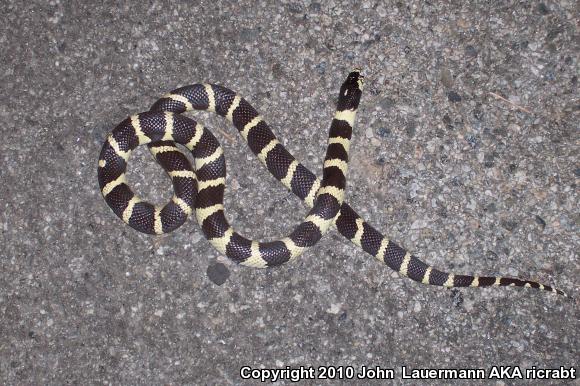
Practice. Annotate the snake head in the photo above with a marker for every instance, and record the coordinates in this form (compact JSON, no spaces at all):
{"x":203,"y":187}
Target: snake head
{"x":351,"y":91}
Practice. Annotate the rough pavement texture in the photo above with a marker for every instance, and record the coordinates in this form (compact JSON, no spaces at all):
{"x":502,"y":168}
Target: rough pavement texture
{"x":466,"y":152}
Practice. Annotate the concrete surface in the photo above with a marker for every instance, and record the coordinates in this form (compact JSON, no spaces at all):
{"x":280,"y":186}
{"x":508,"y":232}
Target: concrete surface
{"x":466,"y":152}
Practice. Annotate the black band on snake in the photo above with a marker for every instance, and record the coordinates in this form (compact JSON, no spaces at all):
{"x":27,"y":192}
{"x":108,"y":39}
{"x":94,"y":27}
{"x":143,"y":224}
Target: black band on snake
{"x":201,"y":189}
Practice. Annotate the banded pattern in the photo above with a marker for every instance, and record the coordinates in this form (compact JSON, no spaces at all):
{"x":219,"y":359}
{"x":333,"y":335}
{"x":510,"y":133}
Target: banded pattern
{"x":163,"y":123}
{"x":206,"y":185}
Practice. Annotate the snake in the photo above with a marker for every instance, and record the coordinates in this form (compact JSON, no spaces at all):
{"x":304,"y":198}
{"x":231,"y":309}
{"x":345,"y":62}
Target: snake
{"x":200,"y":188}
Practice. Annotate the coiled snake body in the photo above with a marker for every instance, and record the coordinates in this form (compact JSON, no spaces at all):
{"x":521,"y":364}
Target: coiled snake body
{"x":202,"y":190}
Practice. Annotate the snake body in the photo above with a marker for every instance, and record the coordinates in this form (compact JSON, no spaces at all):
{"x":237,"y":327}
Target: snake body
{"x":202,"y":190}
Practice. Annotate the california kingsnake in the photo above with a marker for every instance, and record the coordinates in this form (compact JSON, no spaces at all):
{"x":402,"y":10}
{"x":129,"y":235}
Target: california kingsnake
{"x":202,"y":190}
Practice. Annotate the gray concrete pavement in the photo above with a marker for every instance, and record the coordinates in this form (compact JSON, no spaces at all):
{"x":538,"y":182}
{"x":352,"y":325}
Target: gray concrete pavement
{"x":465,"y":152}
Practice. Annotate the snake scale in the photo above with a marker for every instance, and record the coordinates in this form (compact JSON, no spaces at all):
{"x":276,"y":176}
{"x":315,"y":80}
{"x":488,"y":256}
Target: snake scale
{"x":201,"y":189}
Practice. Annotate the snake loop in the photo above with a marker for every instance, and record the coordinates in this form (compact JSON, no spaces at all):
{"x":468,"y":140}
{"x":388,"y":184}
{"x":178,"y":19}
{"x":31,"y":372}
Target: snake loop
{"x":202,"y":190}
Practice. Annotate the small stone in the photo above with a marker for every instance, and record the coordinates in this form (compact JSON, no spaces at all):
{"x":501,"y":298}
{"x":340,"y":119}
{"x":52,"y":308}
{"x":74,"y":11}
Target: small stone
{"x":500,"y":131}
{"x":277,"y":71}
{"x":510,"y":225}
{"x":446,"y":78}
{"x":566,"y":222}
{"x":540,"y":221}
{"x":543,"y":9}
{"x":383,"y":132}
{"x":411,"y":128}
{"x":413,"y":190}
{"x":387,"y":103}
{"x":419,"y":224}
{"x":471,"y":51}
{"x":491,"y":255}
{"x":554,"y":32}
{"x":381,"y":11}
{"x":315,"y":7}
{"x":488,"y":160}
{"x":463,"y":23}
{"x":456,"y":181}
{"x":478,"y":113}
{"x":248,"y":35}
{"x":457,"y":298}
{"x":334,"y":308}
{"x":218,"y":273}
{"x":453,"y":97}
{"x":295,"y":8}
{"x":417,"y":307}
{"x":472,"y":140}
{"x":447,"y":121}
{"x":514,"y":128}
{"x":321,"y":67}
{"x":490,"y":208}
